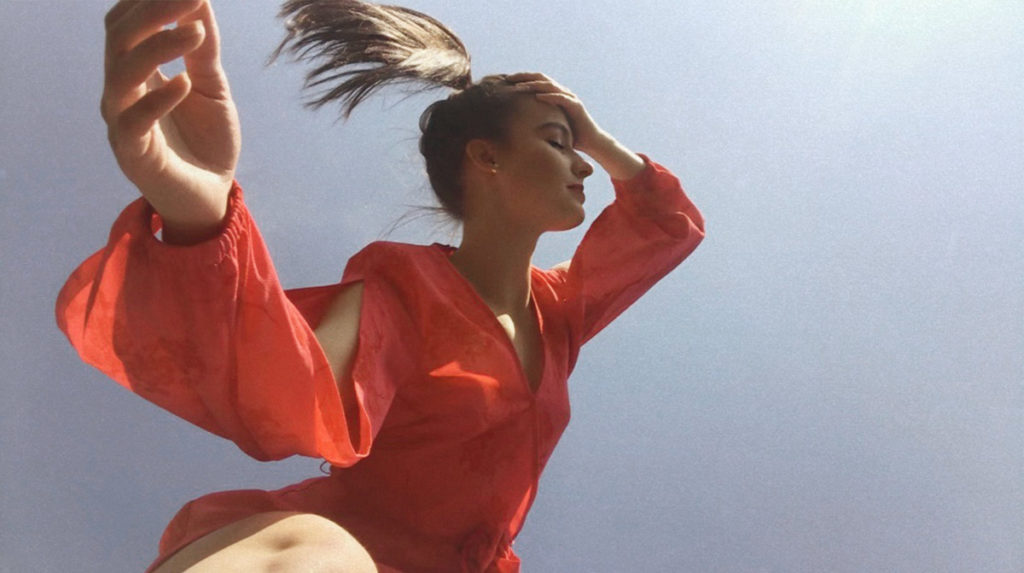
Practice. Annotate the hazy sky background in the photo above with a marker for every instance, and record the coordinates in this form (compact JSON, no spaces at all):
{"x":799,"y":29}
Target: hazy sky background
{"x":834,"y":381}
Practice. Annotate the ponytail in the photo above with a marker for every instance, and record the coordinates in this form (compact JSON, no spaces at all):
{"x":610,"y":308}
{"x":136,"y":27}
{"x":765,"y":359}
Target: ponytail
{"x":359,"y":47}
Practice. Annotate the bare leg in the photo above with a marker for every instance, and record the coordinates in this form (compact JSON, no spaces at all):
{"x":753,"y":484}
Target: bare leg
{"x":280,"y":541}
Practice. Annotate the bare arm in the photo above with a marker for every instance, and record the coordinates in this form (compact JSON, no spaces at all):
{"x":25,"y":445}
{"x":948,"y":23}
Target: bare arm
{"x":176,"y":139}
{"x":338,"y":331}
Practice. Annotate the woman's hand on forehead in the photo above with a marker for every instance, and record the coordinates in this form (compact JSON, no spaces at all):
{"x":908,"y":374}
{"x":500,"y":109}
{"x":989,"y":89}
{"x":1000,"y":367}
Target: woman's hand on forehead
{"x":618,"y":161}
{"x":585,"y":130}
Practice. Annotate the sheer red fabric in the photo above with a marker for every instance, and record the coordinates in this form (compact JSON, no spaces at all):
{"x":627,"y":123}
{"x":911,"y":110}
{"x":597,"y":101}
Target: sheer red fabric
{"x":436,"y":440}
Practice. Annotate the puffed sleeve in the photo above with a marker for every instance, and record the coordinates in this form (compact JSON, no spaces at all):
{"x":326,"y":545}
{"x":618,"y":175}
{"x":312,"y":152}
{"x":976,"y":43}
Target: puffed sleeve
{"x":649,"y":229}
{"x":207,"y":332}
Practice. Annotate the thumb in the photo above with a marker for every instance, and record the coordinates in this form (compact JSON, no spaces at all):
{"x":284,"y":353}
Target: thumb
{"x":156,"y":81}
{"x":203,"y":64}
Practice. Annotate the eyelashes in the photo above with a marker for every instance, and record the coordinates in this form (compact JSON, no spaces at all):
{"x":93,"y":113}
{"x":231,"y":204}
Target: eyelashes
{"x":556,"y":145}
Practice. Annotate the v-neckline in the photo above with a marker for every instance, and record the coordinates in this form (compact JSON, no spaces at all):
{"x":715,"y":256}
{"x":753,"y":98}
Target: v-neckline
{"x":445,"y":251}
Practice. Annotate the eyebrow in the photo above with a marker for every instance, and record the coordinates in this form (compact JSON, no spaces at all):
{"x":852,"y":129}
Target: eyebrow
{"x":559,"y":126}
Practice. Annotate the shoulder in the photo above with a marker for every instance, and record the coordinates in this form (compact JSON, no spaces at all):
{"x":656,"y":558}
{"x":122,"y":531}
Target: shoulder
{"x":387,"y":249}
{"x":394,"y":260}
{"x":551,"y":283}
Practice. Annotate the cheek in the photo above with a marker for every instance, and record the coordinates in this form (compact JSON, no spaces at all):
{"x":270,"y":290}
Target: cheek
{"x":546,"y":164}
{"x":533,"y":169}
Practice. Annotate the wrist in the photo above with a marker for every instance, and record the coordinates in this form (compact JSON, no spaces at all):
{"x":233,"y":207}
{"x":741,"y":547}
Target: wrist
{"x":618,"y":161}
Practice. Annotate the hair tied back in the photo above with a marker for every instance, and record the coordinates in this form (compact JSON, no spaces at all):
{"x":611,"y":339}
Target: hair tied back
{"x":358,"y":47}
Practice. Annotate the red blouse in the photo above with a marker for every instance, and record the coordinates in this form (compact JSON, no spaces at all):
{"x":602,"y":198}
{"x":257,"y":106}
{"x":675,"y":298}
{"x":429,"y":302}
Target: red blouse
{"x":436,"y":440}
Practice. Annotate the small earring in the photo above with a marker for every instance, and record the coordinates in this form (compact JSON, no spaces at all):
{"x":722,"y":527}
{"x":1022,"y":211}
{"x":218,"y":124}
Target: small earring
{"x":494,"y":169}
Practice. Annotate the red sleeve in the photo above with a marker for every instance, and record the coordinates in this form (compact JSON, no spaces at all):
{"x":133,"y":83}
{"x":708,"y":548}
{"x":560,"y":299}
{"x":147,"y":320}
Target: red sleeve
{"x":207,"y":332}
{"x":649,"y":229}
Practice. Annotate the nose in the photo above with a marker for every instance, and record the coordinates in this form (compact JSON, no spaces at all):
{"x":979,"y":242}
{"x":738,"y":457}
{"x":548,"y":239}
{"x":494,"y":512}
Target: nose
{"x":581,"y":167}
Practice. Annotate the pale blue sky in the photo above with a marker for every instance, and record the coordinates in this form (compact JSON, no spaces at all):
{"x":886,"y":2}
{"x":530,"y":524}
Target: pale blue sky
{"x":834,"y":381}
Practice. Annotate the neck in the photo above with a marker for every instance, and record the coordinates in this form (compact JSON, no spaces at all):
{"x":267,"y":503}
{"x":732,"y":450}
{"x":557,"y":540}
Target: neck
{"x":496,"y":261}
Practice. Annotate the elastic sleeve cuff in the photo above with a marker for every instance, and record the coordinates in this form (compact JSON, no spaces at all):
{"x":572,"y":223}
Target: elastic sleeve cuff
{"x":213,"y":251}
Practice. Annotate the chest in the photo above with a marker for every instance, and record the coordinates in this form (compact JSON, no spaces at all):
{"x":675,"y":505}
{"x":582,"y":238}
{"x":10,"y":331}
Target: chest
{"x":481,"y":370}
{"x":524,"y":334}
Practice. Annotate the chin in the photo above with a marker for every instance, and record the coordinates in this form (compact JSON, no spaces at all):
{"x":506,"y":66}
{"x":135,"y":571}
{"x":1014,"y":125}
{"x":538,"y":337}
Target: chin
{"x":571,"y":222}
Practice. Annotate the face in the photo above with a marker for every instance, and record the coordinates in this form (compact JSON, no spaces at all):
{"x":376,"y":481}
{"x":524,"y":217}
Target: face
{"x":540,"y":176}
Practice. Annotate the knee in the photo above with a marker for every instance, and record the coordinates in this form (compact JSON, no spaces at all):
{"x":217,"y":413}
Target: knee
{"x":309,"y":543}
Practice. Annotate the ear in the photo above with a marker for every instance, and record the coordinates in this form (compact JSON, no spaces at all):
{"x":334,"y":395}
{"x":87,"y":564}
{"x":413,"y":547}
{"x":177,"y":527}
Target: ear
{"x":481,"y":154}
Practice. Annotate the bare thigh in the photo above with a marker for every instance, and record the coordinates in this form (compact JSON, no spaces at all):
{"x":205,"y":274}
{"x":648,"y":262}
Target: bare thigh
{"x":278,"y":542}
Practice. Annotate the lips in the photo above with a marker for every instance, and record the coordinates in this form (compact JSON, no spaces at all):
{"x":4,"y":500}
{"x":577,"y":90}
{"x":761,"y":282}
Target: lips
{"x":578,"y":189}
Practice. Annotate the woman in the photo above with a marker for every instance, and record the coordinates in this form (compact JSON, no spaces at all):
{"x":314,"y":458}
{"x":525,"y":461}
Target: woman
{"x":431,"y":378}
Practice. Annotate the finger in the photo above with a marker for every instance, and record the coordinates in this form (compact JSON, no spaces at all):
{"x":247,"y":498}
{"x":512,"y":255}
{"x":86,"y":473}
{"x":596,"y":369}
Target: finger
{"x":135,"y":122}
{"x":567,"y":102}
{"x":541,"y":87}
{"x":570,"y":104}
{"x":128,"y":23}
{"x":117,"y":11}
{"x":132,"y":21}
{"x":203,"y":63}
{"x":136,"y":66}
{"x":526,"y":76}
{"x":156,"y":81}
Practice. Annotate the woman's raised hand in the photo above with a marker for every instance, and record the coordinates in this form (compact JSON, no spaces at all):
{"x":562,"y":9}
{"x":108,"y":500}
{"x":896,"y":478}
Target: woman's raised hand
{"x":584,"y":130}
{"x":615,"y":159}
{"x":176,"y":139}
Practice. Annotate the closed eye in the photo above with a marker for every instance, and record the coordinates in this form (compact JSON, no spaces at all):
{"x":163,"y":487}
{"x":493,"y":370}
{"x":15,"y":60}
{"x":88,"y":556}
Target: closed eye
{"x":556,"y":145}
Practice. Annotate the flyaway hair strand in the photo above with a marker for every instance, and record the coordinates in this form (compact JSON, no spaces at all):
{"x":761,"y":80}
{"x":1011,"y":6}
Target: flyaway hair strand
{"x":358,"y":47}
